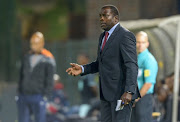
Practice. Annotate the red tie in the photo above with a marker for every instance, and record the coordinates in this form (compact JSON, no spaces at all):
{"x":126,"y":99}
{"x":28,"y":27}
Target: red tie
{"x":105,"y":39}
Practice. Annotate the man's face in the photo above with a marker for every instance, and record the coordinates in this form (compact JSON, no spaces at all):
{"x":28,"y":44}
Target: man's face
{"x":36,"y":44}
{"x":107,"y":19}
{"x":141,"y":43}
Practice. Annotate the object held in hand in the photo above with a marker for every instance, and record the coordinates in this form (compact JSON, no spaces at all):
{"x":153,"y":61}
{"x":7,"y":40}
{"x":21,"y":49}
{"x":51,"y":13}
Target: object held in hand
{"x":119,"y":106}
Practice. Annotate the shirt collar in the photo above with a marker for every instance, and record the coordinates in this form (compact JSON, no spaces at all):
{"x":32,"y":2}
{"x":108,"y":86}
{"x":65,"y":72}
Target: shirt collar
{"x":112,"y":29}
{"x":143,"y":53}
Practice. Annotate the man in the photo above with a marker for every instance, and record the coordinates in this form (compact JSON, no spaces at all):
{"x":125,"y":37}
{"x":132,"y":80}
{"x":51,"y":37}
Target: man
{"x":86,"y":84}
{"x":36,"y":80}
{"x":147,"y":73}
{"x":117,"y":66}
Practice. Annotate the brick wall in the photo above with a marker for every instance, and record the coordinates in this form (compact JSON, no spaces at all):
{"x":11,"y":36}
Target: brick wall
{"x":157,"y":8}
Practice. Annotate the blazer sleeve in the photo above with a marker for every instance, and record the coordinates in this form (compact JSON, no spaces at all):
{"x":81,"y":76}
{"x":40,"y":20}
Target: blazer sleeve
{"x":91,"y":68}
{"x":129,"y":55}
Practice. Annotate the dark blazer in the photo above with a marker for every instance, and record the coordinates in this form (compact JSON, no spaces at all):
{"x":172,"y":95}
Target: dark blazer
{"x":117,"y":65}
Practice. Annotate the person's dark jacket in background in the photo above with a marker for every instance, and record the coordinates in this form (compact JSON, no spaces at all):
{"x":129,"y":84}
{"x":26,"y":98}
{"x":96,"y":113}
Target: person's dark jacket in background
{"x":37,"y":80}
{"x":168,"y":109}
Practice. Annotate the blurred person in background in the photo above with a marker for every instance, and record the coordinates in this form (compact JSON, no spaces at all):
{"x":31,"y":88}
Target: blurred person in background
{"x":59,"y":96}
{"x":117,"y":66}
{"x":165,"y":97}
{"x":86,"y":84}
{"x":36,"y":81}
{"x":58,"y":104}
{"x":147,"y":72}
{"x":169,"y":81}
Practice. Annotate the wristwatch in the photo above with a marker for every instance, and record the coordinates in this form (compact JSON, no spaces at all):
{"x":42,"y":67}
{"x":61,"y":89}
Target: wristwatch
{"x":129,"y":92}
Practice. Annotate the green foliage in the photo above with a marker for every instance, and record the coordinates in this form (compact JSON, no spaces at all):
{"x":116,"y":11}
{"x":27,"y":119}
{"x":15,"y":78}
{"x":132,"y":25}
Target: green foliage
{"x":56,"y":22}
{"x":53,"y":23}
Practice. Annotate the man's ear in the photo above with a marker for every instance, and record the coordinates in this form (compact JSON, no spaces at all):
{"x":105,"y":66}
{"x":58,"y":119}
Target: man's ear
{"x":116,"y":18}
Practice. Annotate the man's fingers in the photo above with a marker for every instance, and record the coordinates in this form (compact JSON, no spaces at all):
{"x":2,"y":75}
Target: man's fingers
{"x":73,"y":64}
{"x":69,"y":69}
{"x":70,"y":72}
{"x":124,"y":101}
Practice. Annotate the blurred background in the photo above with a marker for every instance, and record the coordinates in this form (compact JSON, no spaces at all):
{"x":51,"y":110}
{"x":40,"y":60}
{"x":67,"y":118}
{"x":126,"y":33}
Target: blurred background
{"x":71,"y":27}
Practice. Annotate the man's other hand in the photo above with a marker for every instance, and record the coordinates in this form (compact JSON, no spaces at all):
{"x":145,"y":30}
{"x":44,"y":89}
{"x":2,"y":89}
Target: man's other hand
{"x":126,"y":98}
{"x":134,"y":104}
{"x":74,"y":70}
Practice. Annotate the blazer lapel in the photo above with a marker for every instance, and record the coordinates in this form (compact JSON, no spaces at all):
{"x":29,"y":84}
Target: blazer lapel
{"x":100,"y":41}
{"x":111,"y":38}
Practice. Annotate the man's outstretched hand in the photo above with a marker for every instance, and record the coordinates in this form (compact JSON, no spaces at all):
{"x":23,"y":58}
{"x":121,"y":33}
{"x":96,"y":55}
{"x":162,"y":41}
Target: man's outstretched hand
{"x":74,"y":70}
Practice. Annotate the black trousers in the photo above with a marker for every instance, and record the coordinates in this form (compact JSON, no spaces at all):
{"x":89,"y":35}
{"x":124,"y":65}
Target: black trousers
{"x":108,"y":113}
{"x":142,"y":112}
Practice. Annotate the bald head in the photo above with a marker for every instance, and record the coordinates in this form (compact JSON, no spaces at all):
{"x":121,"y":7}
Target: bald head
{"x":143,"y":35}
{"x":37,"y":42}
{"x":142,"y":41}
{"x":82,"y":59}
